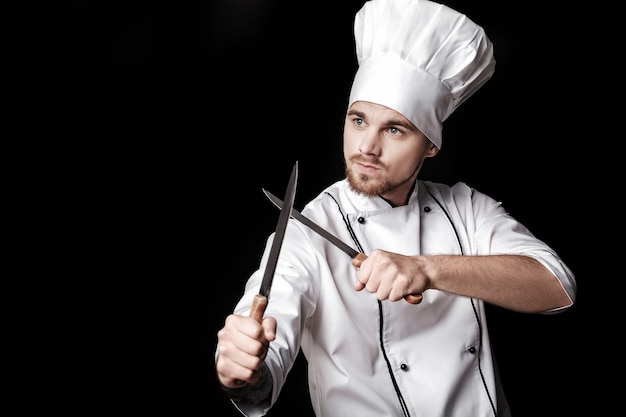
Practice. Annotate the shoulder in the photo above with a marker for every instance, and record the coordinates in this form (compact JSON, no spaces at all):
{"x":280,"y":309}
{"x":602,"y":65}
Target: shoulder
{"x":459,"y":189}
{"x":458,"y":194}
{"x":329,"y":197}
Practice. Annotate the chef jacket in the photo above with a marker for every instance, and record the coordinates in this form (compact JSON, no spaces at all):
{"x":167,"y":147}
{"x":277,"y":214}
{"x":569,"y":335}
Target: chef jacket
{"x":372,"y":358}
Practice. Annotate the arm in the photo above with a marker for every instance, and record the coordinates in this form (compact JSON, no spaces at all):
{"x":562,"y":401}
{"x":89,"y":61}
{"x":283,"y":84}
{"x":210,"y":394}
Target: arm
{"x":515,"y":282}
{"x":261,"y":355}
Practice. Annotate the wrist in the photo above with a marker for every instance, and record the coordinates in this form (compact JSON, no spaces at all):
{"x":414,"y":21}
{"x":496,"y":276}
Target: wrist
{"x":252,"y":393}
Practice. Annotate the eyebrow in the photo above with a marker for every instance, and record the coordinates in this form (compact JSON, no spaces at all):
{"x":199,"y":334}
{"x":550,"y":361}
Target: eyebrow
{"x":357,"y":113}
{"x":390,"y":122}
{"x":408,"y":126}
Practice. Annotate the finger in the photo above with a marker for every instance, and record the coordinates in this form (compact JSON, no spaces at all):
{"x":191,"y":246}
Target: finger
{"x":362,"y":279}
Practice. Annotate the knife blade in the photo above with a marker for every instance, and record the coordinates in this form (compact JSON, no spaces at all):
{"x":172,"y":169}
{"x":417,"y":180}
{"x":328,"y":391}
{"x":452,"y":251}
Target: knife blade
{"x":259,"y":303}
{"x":357,"y":257}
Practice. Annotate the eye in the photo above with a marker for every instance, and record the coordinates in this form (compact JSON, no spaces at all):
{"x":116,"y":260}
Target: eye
{"x":394,"y":131}
{"x":359,"y":122}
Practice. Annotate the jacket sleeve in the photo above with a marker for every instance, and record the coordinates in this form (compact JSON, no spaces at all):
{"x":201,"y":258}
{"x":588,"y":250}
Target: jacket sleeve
{"x":291,"y":302}
{"x":486,"y":228}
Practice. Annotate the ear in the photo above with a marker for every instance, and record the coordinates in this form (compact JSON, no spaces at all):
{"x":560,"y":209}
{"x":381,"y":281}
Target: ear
{"x":431,"y":151}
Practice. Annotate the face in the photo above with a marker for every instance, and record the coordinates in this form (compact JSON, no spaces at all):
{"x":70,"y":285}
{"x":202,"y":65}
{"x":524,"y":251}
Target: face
{"x":383,"y":151}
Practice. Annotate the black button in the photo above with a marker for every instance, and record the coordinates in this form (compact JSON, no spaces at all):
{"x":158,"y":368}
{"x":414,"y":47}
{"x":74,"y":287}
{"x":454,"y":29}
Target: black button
{"x":427,"y":209}
{"x":361,"y":220}
{"x":404,"y":367}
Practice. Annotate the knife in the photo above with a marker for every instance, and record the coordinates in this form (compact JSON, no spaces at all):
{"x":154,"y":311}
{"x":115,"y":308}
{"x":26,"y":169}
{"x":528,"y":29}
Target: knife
{"x":357,"y":257}
{"x":259,"y":303}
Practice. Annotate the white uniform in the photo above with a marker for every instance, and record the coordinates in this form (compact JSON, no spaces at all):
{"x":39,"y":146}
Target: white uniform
{"x":374,"y":359}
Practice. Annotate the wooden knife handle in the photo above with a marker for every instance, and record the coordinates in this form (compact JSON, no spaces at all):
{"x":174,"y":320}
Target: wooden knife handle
{"x":411,"y":298}
{"x":258,"y":307}
{"x":414,"y":298}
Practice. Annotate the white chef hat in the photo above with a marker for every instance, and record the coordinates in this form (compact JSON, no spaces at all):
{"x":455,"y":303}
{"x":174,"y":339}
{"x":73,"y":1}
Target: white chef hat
{"x":419,"y":58}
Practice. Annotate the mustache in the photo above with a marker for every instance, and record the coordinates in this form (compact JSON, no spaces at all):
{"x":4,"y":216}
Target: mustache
{"x":367,"y":160}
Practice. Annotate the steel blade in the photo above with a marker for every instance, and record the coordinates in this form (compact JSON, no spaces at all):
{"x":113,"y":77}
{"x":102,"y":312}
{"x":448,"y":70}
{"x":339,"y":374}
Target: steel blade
{"x":357,"y":257}
{"x":281,"y":226}
{"x":314,"y":226}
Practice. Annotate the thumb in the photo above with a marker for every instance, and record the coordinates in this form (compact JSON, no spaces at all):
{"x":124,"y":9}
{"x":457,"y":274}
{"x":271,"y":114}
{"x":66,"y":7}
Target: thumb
{"x":269,"y":327}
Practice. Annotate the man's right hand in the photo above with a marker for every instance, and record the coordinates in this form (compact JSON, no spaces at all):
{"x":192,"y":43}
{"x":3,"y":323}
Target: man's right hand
{"x":241,"y":349}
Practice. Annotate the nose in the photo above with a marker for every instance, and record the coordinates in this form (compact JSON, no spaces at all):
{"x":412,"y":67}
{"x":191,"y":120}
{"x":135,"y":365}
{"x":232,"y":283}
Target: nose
{"x":369,"y":144}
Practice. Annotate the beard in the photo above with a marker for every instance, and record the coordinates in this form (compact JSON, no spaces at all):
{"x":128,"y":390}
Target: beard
{"x":364,"y":184}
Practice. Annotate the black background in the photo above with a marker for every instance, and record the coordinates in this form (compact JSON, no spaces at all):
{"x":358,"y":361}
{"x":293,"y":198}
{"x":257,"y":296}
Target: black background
{"x":146,"y":131}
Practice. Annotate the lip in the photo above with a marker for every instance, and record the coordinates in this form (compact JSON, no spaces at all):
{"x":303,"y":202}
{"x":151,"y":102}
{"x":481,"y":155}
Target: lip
{"x":366,"y":168}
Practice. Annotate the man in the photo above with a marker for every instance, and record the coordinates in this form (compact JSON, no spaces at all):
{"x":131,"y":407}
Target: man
{"x":369,"y":351}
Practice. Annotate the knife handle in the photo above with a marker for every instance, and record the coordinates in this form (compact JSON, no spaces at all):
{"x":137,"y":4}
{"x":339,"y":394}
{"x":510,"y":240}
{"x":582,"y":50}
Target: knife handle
{"x":411,"y":298}
{"x":258,"y":307}
{"x":414,"y":298}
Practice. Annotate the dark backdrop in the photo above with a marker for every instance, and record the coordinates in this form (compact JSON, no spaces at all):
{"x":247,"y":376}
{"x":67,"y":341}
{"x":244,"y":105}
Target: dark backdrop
{"x":147,"y":131}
